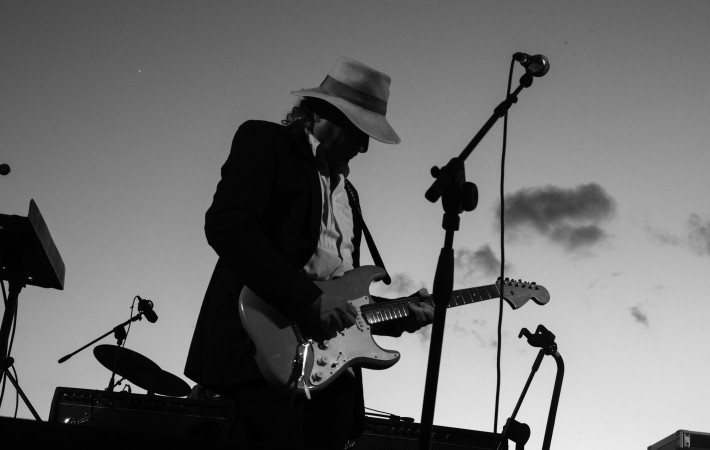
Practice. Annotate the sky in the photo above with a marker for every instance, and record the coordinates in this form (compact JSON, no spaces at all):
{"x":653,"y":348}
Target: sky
{"x":117,"y":116}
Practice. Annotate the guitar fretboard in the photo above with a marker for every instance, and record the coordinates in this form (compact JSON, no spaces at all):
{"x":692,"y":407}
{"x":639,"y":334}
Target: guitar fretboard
{"x":395,"y":309}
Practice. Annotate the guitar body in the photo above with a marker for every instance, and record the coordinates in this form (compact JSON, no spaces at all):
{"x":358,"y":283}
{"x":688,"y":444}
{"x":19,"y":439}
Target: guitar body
{"x":287,"y":359}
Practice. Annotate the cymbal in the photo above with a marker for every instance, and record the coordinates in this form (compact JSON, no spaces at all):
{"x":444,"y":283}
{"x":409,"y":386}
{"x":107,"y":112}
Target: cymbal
{"x":140,"y":371}
{"x":171,"y":385}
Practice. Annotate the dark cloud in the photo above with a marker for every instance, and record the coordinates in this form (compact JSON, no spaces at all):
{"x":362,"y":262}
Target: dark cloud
{"x":574,"y":237}
{"x":638,"y":315}
{"x":572,"y":217}
{"x":699,"y":234}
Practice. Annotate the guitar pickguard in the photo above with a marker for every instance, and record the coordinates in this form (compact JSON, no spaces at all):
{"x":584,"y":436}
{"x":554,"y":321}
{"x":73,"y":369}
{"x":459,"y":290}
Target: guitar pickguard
{"x":352,"y":346}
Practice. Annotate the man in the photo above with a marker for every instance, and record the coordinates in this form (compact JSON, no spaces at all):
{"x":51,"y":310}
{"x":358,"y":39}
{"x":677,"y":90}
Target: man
{"x":284,"y":216}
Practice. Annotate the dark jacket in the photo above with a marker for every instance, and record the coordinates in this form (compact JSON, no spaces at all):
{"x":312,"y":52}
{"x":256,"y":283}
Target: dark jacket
{"x":264,"y":225}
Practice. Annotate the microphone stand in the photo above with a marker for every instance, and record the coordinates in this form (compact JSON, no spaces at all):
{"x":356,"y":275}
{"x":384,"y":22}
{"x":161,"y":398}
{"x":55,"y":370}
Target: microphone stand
{"x":119,"y":333}
{"x":546,"y":340}
{"x":457,"y":196}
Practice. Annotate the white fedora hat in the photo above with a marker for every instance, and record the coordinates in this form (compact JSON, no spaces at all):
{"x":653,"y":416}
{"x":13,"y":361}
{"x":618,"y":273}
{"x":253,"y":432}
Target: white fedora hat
{"x":361,"y":93}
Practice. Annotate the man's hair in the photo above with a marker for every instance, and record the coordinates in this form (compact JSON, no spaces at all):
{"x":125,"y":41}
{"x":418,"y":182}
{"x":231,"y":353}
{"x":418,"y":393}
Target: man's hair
{"x":301,"y":116}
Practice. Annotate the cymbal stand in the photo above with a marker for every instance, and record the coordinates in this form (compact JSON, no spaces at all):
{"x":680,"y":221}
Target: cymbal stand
{"x":520,"y":433}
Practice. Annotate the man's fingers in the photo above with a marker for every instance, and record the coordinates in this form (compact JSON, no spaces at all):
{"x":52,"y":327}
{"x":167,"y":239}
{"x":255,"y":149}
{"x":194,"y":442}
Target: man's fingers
{"x":423,"y":312}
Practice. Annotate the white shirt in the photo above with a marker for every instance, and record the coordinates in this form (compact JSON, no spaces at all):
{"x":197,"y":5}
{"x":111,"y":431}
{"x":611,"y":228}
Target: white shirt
{"x":334,"y":253}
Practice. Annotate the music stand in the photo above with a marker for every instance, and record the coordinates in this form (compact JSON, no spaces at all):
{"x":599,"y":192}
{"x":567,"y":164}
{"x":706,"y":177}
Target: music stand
{"x":27,"y":256}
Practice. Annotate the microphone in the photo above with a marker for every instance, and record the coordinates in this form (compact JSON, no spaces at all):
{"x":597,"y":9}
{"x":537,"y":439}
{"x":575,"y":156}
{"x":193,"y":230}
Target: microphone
{"x":537,"y":65}
{"x":146,"y":307}
{"x":4,"y":169}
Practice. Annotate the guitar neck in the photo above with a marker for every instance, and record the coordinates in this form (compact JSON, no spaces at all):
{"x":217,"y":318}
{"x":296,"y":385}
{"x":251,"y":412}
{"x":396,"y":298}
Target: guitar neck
{"x":396,"y":309}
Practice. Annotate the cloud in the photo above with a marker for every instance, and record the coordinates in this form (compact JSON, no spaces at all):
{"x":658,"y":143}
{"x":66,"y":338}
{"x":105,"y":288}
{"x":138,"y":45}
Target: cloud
{"x":402,"y":285}
{"x":699,"y":234}
{"x":424,"y":334}
{"x":471,"y":265}
{"x":663,"y":237}
{"x":638,"y":315}
{"x":570,"y":217}
{"x":476,"y":328}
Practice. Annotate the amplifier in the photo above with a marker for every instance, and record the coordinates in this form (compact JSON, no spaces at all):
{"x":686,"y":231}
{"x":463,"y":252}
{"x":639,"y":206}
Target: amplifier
{"x":683,"y":439}
{"x":140,"y":413}
{"x":383,"y":434}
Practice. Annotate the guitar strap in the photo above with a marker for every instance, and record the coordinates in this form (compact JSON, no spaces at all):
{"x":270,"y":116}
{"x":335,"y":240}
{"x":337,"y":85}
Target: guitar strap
{"x":359,"y":221}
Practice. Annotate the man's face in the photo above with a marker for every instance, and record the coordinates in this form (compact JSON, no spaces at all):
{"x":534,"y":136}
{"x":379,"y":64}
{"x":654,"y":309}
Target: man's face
{"x":341,"y":141}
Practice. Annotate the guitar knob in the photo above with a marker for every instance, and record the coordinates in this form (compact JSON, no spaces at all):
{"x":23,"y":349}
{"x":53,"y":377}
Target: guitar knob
{"x":323,"y":345}
{"x":322,"y":360}
{"x":316,"y":377}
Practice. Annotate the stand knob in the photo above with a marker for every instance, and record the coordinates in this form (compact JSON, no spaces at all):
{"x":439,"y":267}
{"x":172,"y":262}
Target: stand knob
{"x":469,"y":197}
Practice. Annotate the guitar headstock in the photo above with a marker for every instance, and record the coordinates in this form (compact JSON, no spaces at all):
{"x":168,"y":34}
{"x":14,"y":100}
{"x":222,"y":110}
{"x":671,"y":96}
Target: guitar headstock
{"x":518,"y":292}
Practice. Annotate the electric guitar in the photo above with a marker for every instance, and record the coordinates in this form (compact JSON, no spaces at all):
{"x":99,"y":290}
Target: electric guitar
{"x":290,"y":360}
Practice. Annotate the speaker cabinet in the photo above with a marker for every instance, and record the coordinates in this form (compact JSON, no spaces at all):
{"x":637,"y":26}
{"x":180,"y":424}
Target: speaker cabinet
{"x":382,"y":434}
{"x":139,"y":413}
{"x":683,"y":439}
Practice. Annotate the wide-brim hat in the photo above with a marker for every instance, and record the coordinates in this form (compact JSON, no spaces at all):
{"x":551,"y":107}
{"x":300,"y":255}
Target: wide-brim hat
{"x":361,"y":93}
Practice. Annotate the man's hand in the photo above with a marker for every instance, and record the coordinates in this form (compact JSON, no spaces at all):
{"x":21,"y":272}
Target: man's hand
{"x":421,"y":313}
{"x":330,"y":315}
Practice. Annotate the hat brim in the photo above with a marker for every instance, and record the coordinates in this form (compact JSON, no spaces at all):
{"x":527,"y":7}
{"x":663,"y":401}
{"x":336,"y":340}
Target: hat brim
{"x":371,"y":123}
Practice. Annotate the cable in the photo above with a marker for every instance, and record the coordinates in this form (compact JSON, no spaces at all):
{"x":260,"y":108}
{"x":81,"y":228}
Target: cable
{"x":502,"y":252}
{"x":133,"y":305}
{"x":2,"y":372}
{"x":17,"y":391}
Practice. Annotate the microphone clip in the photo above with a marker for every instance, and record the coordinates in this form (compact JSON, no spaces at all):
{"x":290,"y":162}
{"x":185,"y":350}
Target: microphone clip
{"x":522,"y":58}
{"x":536,"y":65}
{"x":144,"y":305}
